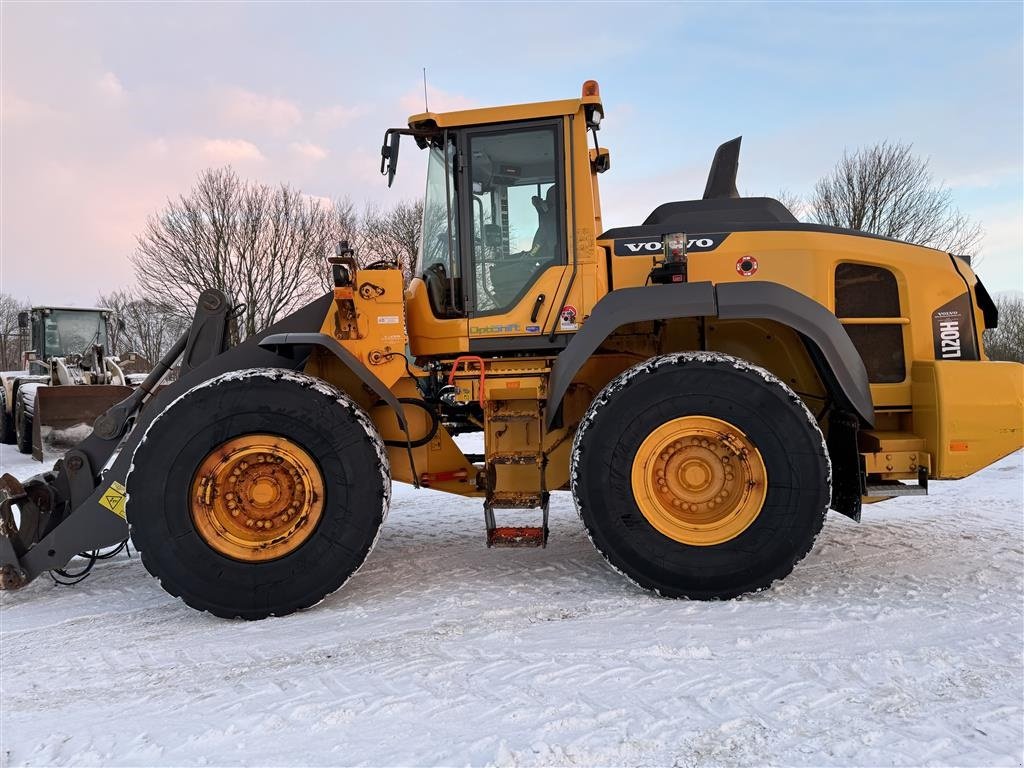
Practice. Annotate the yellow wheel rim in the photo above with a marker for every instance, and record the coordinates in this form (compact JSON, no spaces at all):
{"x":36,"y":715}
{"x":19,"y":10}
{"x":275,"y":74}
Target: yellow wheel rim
{"x":699,"y":480}
{"x":256,"y":497}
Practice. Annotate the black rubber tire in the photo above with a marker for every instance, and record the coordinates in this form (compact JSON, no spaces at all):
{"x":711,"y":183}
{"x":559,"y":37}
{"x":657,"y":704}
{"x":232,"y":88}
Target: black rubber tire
{"x":22,"y":425}
{"x":717,"y":385}
{"x":7,"y":433}
{"x":326,"y":423}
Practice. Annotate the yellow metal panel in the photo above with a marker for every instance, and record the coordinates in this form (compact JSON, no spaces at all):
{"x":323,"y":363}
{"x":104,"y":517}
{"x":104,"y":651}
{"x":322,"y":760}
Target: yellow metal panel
{"x":877,"y":441}
{"x":971,"y":413}
{"x":896,"y":465}
{"x":377,"y":332}
{"x":430,"y":335}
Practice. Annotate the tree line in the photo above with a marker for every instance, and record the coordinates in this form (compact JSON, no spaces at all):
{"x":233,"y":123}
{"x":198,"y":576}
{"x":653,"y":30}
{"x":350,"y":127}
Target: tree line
{"x":265,"y":246}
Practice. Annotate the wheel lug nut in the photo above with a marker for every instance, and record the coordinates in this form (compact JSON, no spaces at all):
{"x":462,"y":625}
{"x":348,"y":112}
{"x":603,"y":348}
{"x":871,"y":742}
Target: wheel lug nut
{"x":249,"y":523}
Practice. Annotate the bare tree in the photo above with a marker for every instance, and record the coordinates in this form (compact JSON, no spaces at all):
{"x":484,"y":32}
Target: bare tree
{"x":887,"y":190}
{"x":393,"y":234}
{"x":142,"y":325}
{"x":12,"y":341}
{"x":378,"y":234}
{"x":1007,"y":341}
{"x":793,"y":202}
{"x":262,"y":246}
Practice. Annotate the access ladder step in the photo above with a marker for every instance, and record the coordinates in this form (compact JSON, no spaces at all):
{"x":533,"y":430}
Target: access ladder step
{"x":516,"y":500}
{"x":509,"y":418}
{"x":515,"y":458}
{"x":517,"y":536}
{"x":896,"y":488}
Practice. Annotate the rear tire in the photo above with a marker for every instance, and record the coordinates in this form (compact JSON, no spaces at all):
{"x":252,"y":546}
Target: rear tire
{"x":340,"y":447}
{"x":787,"y":493}
{"x":22,"y":424}
{"x":7,"y":433}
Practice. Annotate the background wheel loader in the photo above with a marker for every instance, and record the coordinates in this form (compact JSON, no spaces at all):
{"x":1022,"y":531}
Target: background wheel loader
{"x":706,"y":383}
{"x":70,"y":377}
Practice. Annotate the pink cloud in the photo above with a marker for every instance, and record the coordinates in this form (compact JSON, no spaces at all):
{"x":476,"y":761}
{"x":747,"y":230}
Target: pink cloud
{"x":16,"y":109}
{"x":110,"y":86}
{"x":338,"y":115}
{"x":246,"y":108}
{"x":308,"y":150}
{"x":439,"y":100}
{"x":220,"y":151}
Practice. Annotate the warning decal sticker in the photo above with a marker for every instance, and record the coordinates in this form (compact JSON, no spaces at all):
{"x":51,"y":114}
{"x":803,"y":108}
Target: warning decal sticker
{"x":113,"y":498}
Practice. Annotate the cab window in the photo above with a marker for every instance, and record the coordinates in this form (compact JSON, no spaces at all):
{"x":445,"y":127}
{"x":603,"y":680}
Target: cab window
{"x":438,"y":262}
{"x":517,"y":207}
{"x":866,"y":296}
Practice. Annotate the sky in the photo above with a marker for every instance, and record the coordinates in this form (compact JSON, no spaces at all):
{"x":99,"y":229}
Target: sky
{"x":110,"y":109}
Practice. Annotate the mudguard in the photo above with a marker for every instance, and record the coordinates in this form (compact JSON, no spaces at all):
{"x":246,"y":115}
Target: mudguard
{"x":296,"y":345}
{"x":837,"y":360}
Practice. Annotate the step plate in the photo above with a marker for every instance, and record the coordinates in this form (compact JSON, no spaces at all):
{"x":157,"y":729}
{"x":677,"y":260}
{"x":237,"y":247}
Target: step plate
{"x":516,"y":536}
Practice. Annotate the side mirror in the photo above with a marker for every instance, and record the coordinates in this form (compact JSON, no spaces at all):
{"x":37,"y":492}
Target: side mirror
{"x":23,"y":320}
{"x":389,"y":155}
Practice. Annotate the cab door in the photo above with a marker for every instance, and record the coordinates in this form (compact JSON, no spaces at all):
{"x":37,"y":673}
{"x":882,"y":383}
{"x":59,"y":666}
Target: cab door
{"x":513,"y":238}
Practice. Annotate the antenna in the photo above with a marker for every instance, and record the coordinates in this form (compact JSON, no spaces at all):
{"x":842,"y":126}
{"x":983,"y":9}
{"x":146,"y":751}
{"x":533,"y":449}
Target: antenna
{"x":426,"y":107}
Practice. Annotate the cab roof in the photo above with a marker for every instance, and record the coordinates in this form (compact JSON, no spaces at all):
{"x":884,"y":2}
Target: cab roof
{"x":509,"y":113}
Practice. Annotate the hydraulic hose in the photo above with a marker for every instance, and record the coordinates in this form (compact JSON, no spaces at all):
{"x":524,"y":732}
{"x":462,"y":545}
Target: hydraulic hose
{"x":435,"y":424}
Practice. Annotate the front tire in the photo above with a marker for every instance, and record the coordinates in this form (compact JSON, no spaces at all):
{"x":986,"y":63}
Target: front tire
{"x":23,"y":423}
{"x":700,"y":475}
{"x":7,"y":432}
{"x":258,"y":493}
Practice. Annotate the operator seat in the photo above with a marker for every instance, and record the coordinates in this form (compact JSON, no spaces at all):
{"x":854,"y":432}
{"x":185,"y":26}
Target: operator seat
{"x":545,"y":241}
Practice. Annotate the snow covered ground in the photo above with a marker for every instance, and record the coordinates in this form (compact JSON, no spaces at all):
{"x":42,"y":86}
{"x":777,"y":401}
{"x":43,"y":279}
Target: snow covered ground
{"x":896,"y":642}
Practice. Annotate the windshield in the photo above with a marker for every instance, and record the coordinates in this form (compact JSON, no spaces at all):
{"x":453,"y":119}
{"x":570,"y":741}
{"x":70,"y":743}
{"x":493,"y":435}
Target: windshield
{"x":70,"y":332}
{"x":437,"y":202}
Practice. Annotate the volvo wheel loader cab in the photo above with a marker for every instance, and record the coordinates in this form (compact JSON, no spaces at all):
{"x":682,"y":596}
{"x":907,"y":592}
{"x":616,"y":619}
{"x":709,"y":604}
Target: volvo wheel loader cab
{"x":46,"y":403}
{"x":706,"y":383}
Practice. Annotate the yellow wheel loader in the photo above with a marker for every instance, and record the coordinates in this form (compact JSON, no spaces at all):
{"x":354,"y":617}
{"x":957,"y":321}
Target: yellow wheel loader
{"x":706,"y":383}
{"x":69,"y":378}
